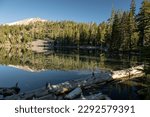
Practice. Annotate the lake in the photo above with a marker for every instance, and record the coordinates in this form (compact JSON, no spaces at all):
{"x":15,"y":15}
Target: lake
{"x":32,"y":70}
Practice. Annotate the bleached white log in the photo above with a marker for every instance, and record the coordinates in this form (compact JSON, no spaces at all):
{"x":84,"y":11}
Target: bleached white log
{"x":70,"y":85}
{"x":129,"y":73}
{"x":103,"y":76}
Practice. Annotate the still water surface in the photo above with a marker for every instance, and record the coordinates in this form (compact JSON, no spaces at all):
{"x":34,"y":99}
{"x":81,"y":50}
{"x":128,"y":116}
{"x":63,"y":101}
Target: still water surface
{"x":33,"y":70}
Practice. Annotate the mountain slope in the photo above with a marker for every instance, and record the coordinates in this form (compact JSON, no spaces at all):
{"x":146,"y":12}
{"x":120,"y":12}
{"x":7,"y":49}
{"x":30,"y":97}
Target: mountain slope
{"x":27,"y":21}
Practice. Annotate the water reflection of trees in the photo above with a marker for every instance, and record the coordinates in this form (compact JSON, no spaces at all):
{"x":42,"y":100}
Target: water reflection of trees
{"x":63,"y":60}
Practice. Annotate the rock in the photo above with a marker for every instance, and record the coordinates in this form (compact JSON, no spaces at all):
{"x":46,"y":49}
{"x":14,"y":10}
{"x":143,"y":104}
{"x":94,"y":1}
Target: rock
{"x":29,"y":95}
{"x":1,"y":97}
{"x":98,"y":96}
{"x":73,"y":94}
{"x":47,"y":97}
{"x":10,"y":91}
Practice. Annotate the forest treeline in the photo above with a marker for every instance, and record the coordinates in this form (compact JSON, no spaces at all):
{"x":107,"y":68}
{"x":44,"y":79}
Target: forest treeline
{"x":124,"y":30}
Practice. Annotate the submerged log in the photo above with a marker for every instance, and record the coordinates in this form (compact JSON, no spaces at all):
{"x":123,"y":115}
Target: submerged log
{"x":98,"y":96}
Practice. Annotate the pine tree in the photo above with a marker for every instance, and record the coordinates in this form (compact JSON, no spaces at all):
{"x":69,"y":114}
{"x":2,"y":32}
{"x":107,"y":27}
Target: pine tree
{"x":132,"y":7}
{"x":133,"y":35}
{"x":115,"y":37}
{"x":124,"y":32}
{"x":108,"y":33}
{"x":143,"y":19}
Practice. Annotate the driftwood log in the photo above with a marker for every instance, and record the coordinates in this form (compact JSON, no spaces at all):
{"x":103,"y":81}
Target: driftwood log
{"x":129,"y":73}
{"x":73,"y":89}
{"x":101,"y":77}
{"x":70,"y":85}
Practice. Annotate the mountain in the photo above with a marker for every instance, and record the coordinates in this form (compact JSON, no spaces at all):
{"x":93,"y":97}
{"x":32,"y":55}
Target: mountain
{"x":27,"y":21}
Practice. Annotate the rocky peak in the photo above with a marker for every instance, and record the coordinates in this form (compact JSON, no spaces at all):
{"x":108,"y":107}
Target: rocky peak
{"x":27,"y":21}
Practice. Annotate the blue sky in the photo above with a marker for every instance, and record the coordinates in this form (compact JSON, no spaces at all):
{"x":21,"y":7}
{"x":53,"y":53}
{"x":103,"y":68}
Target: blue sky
{"x":56,"y":10}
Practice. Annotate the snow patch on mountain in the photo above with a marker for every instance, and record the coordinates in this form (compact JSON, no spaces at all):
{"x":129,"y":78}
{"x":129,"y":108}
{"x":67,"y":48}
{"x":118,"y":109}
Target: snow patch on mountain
{"x":27,"y":21}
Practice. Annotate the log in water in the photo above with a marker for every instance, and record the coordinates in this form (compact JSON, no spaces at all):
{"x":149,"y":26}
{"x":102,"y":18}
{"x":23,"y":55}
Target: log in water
{"x":73,"y":89}
{"x":129,"y":73}
{"x":73,"y":94}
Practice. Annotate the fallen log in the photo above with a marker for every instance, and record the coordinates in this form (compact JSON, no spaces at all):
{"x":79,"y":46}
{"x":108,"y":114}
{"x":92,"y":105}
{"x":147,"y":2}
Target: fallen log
{"x":70,"y":85}
{"x":73,"y":94}
{"x":133,"y":72}
{"x":70,"y":89}
{"x":62,"y":88}
{"x":102,"y":77}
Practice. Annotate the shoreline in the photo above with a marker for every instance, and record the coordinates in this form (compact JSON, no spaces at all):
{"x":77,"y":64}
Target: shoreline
{"x":74,"y":89}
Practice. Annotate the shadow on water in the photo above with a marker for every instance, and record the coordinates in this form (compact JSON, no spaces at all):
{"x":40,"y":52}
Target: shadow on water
{"x":134,"y":89}
{"x":124,"y":90}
